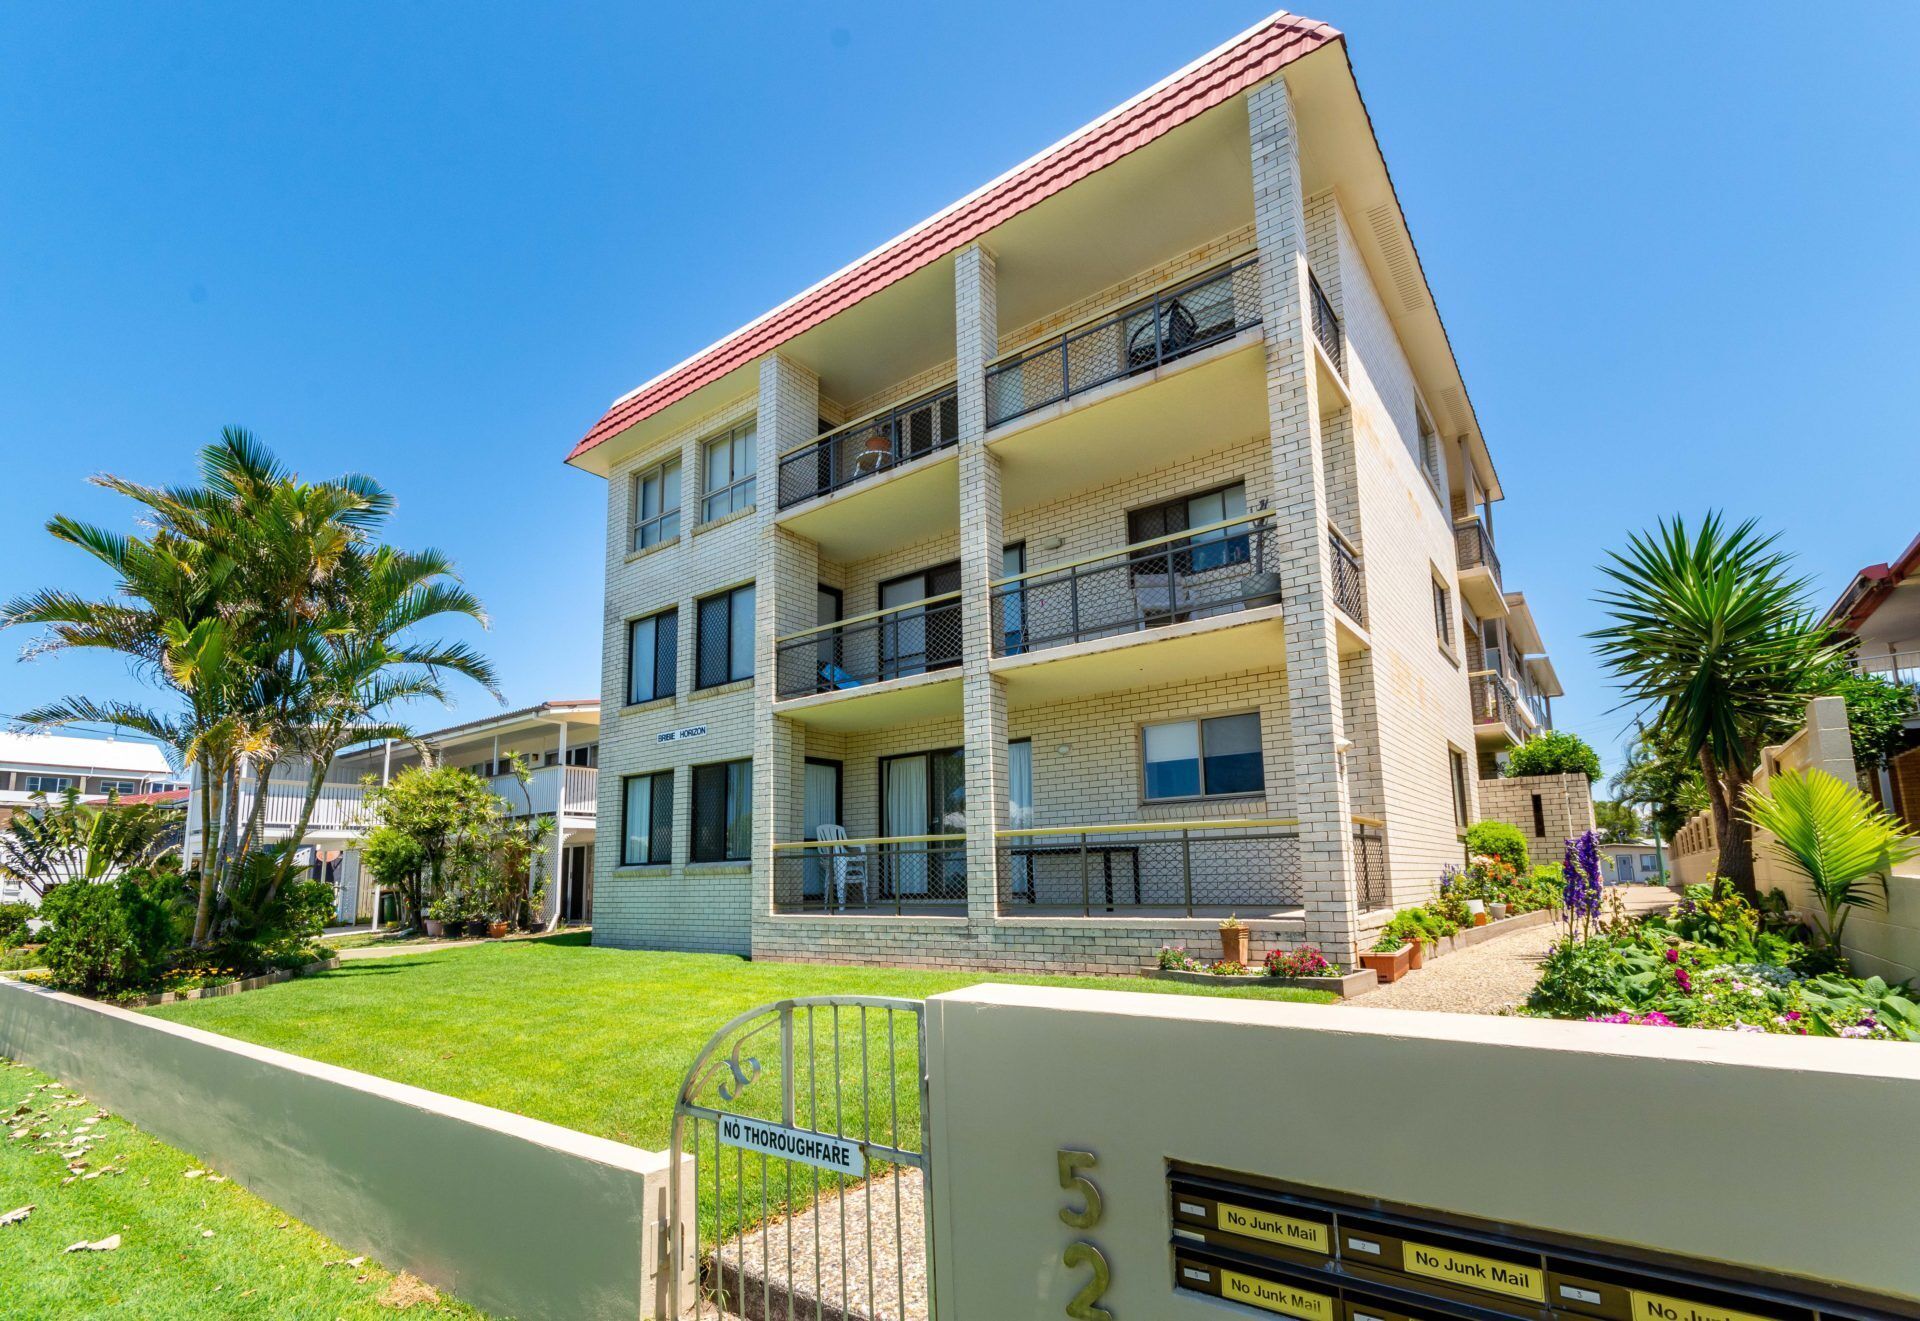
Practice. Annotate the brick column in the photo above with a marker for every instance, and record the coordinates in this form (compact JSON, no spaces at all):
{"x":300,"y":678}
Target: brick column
{"x":786,"y":581}
{"x":1300,"y":509}
{"x":984,"y":698}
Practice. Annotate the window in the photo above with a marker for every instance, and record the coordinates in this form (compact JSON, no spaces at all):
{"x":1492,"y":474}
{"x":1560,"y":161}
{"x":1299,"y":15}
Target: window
{"x":726,"y":638}
{"x":723,"y":812}
{"x":646,"y":819}
{"x":1429,"y":451}
{"x":1443,"y":613}
{"x":656,"y":504}
{"x":726,"y":475}
{"x":1457,"y":768}
{"x":49,"y":784}
{"x":1204,"y":758}
{"x":122,"y":787}
{"x":653,"y":656}
{"x":1209,"y":550}
{"x":1539,"y":819}
{"x":1020,"y":784}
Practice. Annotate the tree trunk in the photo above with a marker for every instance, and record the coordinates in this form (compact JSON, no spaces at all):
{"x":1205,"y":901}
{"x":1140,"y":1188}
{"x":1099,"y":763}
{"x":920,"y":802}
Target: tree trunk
{"x":203,"y":913}
{"x":283,"y":870}
{"x":1736,"y":850}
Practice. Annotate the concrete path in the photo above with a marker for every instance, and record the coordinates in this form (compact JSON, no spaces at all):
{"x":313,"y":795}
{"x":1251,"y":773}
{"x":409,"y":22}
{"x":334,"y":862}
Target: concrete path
{"x":1497,"y":976}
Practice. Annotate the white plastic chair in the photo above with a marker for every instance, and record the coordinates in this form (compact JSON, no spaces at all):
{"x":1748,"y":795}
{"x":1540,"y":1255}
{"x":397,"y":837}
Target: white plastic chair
{"x":847,"y":863}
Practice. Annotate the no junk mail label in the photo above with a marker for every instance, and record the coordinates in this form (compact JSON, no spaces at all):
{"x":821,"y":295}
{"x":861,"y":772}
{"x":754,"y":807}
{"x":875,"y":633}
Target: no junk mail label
{"x":829,"y":1153}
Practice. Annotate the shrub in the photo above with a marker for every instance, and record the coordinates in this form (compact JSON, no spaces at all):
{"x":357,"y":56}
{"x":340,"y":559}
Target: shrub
{"x":1307,"y":961}
{"x":13,"y":924}
{"x":110,"y":937}
{"x":261,"y":927}
{"x":1554,"y":752}
{"x":1497,"y":839}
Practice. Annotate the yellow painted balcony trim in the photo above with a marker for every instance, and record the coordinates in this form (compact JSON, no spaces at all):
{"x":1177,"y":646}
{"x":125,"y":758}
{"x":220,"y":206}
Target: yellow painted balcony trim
{"x":942,"y":599}
{"x":1118,"y":551}
{"x":871,"y":839}
{"x":1128,"y":827}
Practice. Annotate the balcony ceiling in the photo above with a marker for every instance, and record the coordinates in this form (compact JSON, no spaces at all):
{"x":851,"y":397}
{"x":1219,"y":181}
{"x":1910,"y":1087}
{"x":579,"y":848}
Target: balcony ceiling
{"x":915,"y":501}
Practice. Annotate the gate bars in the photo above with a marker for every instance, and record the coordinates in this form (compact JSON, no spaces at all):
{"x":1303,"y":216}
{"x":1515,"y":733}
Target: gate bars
{"x":847,"y":1067}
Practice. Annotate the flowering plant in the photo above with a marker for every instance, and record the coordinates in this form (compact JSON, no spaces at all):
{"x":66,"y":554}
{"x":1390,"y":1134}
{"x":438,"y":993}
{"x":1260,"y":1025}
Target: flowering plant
{"x":1580,"y":865}
{"x":1307,"y":961}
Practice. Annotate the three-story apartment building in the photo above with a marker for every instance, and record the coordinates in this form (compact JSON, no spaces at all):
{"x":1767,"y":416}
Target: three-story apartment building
{"x":1070,"y":572}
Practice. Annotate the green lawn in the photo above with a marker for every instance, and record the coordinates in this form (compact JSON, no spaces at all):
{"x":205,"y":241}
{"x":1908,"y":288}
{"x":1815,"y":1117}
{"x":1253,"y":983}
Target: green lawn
{"x":591,"y":1038}
{"x":188,"y":1247}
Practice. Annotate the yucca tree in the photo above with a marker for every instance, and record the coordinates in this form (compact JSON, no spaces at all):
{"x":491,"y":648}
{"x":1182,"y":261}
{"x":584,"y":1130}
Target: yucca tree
{"x":1833,"y":835}
{"x":64,"y":839}
{"x":1712,"y":637}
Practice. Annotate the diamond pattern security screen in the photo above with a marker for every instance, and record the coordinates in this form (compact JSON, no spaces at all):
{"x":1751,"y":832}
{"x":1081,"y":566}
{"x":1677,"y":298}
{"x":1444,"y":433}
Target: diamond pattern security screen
{"x":646,"y":826}
{"x":725,"y":645}
{"x":723,"y":812}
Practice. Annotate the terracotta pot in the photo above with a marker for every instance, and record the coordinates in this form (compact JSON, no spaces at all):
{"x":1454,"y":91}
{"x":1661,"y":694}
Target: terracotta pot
{"x":1417,"y":956}
{"x":496,"y":929}
{"x":1390,"y":966}
{"x":1233,"y":944}
{"x":435,"y":928}
{"x":1480,"y":919}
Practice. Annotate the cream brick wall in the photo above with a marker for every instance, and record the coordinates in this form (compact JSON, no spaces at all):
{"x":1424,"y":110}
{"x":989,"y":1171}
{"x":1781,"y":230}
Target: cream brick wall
{"x":1566,"y":810}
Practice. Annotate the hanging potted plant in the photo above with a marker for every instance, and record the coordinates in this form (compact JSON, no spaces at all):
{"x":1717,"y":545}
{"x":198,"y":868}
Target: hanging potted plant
{"x":1233,"y":940}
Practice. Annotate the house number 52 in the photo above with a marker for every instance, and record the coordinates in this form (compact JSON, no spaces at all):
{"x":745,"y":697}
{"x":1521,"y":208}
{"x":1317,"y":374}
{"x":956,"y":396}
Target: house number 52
{"x":1084,"y":1216}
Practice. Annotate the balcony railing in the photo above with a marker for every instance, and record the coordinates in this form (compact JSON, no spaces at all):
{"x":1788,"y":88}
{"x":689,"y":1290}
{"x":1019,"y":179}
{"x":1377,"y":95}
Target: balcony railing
{"x":1212,"y":570}
{"x":898,"y":874}
{"x":1167,"y":866}
{"x":887,"y":644}
{"x":1348,"y":583}
{"x":1473,"y":547}
{"x":545,"y":789}
{"x":1370,"y":864}
{"x":1164,"y":328}
{"x":1494,"y":702}
{"x":870,"y":447}
{"x":1326,"y":325}
{"x":1902,"y":667}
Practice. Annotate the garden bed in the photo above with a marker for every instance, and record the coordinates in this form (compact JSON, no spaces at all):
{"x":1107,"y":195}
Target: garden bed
{"x":1345,"y":985}
{"x":230,"y":988}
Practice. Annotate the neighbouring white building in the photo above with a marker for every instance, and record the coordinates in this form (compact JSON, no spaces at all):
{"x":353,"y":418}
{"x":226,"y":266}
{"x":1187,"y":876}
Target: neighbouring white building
{"x":1108,"y":553}
{"x":36,"y":764}
{"x":559,"y":739}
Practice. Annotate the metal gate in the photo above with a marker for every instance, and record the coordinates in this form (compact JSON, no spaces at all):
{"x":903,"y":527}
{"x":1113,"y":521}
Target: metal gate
{"x":811,"y":1168}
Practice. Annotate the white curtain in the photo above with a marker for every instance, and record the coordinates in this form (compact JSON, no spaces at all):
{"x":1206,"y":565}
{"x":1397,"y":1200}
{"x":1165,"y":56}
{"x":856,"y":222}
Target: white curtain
{"x":821,"y":807}
{"x":907,"y":815}
{"x":1020,"y":785}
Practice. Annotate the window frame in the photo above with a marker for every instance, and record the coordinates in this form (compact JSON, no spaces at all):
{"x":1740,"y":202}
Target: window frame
{"x":700,"y":681}
{"x":1443,"y":614}
{"x":736,"y":503}
{"x":658,"y":842}
{"x":64,"y":783}
{"x":694,"y":853}
{"x":123,"y":787}
{"x":671,"y":614}
{"x":1457,"y":777}
{"x":1200,"y":742}
{"x":637,"y":542}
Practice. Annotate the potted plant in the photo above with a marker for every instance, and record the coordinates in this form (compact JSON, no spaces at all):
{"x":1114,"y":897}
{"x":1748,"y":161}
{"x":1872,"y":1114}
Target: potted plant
{"x":1233,"y":940}
{"x":1391,"y":956}
{"x":1498,"y":909}
{"x":443,"y":912}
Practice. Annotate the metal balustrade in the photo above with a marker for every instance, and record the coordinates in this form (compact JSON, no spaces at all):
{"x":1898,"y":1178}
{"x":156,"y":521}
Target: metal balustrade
{"x":1179,"y":867}
{"x":1473,"y":547}
{"x":899,"y":875}
{"x":1216,"y":569}
{"x":870,"y":447}
{"x":1164,"y":328}
{"x":1326,"y":325}
{"x":1348,"y":584}
{"x":1494,"y":701}
{"x":887,"y":644}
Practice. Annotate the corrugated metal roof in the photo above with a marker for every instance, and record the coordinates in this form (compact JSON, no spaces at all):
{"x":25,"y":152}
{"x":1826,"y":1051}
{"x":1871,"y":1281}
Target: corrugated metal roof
{"x":70,"y":752}
{"x":1217,"y":77}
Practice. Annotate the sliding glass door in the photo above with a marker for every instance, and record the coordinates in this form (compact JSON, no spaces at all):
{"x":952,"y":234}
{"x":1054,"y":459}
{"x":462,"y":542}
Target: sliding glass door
{"x":925,"y":793}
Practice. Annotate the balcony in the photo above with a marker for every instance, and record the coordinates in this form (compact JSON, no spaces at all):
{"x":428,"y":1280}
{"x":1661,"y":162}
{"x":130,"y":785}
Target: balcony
{"x":894,"y":460}
{"x":1207,"y":599}
{"x":906,"y":875}
{"x":1348,"y":585}
{"x":1902,"y":667}
{"x":547,"y":789}
{"x":1170,"y":868}
{"x":902,"y":663}
{"x":1140,"y":338}
{"x":1497,"y":711}
{"x":1479,"y":569}
{"x":1326,"y":326}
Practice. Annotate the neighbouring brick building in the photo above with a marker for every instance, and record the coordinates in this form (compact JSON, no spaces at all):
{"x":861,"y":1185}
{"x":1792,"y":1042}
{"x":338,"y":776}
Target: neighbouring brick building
{"x":1081,"y":566}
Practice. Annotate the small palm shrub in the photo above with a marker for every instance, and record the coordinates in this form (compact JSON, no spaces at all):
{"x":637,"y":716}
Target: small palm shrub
{"x":1833,"y":835}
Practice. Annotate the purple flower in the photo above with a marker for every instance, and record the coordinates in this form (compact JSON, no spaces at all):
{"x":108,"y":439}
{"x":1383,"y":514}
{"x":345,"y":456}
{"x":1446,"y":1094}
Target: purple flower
{"x":1580,"y":864}
{"x":1673,"y":955}
{"x":1686,"y":982}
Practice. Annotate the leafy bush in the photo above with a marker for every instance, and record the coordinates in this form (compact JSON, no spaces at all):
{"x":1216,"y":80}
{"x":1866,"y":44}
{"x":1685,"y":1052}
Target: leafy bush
{"x":111,"y":937}
{"x":1497,"y":839}
{"x":1554,"y":752}
{"x":1306,"y":961}
{"x":262,"y":927}
{"x":21,"y":957}
{"x":13,"y":924}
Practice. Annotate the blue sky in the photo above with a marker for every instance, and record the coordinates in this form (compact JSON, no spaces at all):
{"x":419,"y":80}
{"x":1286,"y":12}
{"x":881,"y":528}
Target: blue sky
{"x":1672,"y":245}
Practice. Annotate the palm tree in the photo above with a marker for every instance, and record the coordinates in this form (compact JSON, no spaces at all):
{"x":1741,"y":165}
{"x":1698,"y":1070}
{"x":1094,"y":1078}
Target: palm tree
{"x":1833,"y":835}
{"x":361,"y":662}
{"x":1713,"y":639}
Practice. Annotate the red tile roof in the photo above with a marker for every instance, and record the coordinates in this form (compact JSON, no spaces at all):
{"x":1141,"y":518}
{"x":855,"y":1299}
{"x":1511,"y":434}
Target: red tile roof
{"x":1250,"y":58}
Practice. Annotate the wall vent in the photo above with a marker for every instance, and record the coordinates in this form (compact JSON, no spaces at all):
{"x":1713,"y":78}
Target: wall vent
{"x":1384,"y":221}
